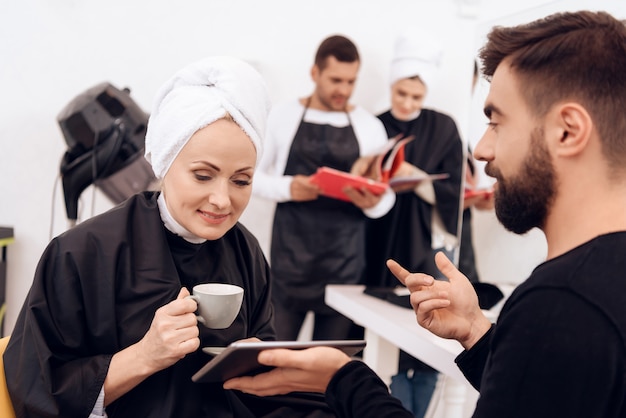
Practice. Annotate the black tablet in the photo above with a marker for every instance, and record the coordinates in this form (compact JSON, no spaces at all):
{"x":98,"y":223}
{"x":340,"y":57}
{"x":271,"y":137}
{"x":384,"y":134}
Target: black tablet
{"x":240,"y":358}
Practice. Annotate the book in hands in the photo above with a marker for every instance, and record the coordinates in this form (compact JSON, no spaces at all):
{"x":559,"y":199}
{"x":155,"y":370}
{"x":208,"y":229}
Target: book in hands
{"x":401,"y":184}
{"x":388,"y":161}
{"x":332,"y":183}
{"x":380,"y":167}
{"x":390,"y":165}
{"x":378,"y":176}
{"x":485,"y":193}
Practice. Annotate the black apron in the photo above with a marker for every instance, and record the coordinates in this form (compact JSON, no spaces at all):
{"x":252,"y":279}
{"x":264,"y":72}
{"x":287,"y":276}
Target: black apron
{"x":322,"y":241}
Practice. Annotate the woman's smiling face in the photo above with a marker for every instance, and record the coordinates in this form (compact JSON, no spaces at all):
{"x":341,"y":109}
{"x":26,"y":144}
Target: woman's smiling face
{"x":407,"y":98}
{"x":209,"y":184}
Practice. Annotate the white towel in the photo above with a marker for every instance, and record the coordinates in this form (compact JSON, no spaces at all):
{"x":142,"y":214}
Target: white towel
{"x":416,"y":53}
{"x":197,"y":96}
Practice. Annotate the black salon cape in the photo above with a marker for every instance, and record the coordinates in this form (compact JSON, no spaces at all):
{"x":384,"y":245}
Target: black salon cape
{"x":404,"y":233}
{"x":95,"y":292}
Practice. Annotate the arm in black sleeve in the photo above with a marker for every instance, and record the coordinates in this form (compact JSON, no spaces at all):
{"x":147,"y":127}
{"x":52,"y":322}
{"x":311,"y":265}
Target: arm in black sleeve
{"x":356,"y":391}
{"x":472,"y":362}
{"x":553,"y":353}
{"x":48,"y":367}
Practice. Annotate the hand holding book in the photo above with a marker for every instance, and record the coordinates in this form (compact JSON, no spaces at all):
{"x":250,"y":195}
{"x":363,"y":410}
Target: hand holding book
{"x":408,"y":180}
{"x":334,"y":182}
{"x":383,"y":164}
{"x":376,"y":173}
{"x":483,"y":193}
{"x":479,"y":198}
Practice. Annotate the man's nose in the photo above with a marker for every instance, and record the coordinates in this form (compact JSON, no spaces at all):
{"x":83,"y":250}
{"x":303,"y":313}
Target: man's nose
{"x":484,"y":149}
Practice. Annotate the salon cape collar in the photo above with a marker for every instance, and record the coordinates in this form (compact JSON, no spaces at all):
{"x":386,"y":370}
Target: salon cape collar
{"x":173,"y":226}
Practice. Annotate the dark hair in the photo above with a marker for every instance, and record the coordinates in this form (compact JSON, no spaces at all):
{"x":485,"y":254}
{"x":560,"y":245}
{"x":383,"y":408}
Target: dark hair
{"x":340,"y":47}
{"x":577,"y":56}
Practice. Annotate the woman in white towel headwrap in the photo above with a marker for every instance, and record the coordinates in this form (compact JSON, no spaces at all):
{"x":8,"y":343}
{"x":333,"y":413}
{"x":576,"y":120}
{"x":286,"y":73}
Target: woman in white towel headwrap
{"x":406,"y":233}
{"x":106,"y":329}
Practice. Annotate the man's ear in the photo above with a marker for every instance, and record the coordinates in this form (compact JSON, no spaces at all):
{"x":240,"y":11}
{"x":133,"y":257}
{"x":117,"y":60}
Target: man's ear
{"x":572,"y":129}
{"x":315,"y":73}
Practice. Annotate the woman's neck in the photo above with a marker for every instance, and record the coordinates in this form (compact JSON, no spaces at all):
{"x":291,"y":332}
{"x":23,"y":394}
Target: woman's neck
{"x":173,"y":226}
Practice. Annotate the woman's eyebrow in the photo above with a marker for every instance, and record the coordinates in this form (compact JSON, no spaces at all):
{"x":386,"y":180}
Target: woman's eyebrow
{"x":216,"y":168}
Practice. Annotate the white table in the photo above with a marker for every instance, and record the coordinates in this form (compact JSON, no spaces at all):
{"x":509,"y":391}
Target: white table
{"x":389,"y":328}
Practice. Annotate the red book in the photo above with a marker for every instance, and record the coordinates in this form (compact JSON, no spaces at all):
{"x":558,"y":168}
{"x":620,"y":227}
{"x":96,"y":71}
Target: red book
{"x":383,"y":166}
{"x":332,"y":182}
{"x":392,"y":157}
{"x":486,"y":193}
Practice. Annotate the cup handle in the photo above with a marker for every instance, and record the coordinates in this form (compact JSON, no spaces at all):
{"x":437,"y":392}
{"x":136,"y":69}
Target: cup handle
{"x":194,"y":297}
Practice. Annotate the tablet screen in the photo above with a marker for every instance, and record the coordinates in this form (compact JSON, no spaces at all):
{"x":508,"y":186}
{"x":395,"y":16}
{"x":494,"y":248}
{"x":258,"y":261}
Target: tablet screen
{"x":240,"y":358}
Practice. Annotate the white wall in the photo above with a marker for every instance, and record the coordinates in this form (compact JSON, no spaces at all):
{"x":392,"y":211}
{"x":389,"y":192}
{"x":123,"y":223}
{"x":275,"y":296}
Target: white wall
{"x":52,"y":51}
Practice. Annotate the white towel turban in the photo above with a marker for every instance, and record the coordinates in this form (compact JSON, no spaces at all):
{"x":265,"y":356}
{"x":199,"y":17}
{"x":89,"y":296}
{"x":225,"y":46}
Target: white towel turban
{"x":197,"y":96}
{"x":416,"y":53}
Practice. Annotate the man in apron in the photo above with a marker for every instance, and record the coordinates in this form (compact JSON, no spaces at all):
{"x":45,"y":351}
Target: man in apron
{"x":317,"y":240}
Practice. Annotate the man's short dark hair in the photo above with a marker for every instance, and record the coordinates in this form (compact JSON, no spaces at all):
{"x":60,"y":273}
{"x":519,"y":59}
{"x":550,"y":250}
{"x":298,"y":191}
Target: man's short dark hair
{"x":340,"y":47}
{"x":578,"y":56}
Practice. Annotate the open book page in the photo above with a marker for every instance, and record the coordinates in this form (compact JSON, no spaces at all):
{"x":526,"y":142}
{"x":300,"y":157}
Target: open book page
{"x":383,"y":164}
{"x":393,"y":159}
{"x":401,"y":184}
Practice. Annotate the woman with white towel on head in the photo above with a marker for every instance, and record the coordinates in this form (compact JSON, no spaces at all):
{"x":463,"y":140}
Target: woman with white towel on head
{"x":428,"y":216}
{"x":106,"y":329}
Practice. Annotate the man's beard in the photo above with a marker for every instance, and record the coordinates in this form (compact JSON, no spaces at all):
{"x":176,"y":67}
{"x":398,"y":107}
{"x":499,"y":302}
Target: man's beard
{"x":523,"y":201}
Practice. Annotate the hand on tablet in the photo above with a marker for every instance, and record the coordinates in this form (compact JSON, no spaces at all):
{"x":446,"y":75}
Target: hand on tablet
{"x":308,"y":370}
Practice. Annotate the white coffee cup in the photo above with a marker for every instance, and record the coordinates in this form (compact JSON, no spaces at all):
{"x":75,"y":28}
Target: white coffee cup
{"x":218,"y":303}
